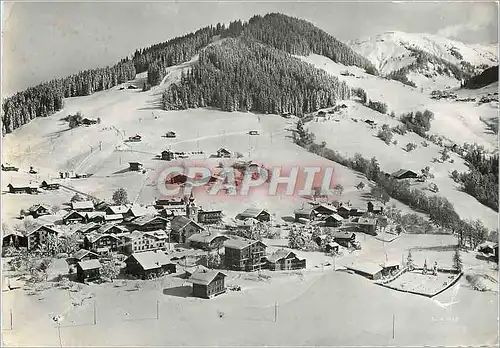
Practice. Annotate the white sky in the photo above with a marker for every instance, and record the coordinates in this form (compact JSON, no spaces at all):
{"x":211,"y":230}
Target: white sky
{"x":43,"y":40}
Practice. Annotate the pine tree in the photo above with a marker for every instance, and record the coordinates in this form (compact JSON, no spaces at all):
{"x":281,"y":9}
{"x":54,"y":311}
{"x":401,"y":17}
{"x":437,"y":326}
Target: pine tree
{"x":457,"y":260}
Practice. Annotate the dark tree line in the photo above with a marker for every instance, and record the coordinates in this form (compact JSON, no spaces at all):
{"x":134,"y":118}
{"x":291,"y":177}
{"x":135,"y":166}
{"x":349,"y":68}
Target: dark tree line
{"x":488,"y":76}
{"x":47,"y":98}
{"x":242,"y":74}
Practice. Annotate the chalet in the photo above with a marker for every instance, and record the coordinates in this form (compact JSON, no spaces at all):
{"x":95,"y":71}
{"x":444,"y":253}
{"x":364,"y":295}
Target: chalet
{"x":188,"y":271}
{"x":74,"y":216}
{"x":170,"y":134}
{"x":209,"y":217}
{"x":87,"y":228}
{"x":171,"y":213}
{"x":149,"y":223}
{"x":253,"y":132}
{"x":88,"y":270}
{"x":95,"y":216}
{"x":138,"y":211}
{"x":135,"y":166}
{"x":89,"y":121}
{"x":48,"y":185}
{"x":344,"y":211}
{"x":375,"y":207}
{"x":207,"y":283}
{"x":284,"y":260}
{"x":223,"y":153}
{"x":82,"y":175}
{"x":366,"y":269}
{"x":81,"y":255}
{"x":38,"y":235}
{"x":116,"y":209}
{"x":167,"y":155}
{"x":357,"y":210}
{"x":9,"y":168}
{"x":170,"y":203}
{"x":111,"y":228}
{"x":332,"y":247}
{"x":259,"y":214}
{"x":368,"y":225}
{"x":149,"y":264}
{"x":113,"y":218}
{"x":138,"y":241}
{"x":82,"y":206}
{"x":243,"y":254}
{"x":344,"y":239}
{"x":307,"y":213}
{"x":23,"y":188}
{"x":37,"y":210}
{"x":135,"y":138}
{"x":404,"y":174}
{"x":324,"y":209}
{"x":207,"y":241}
{"x":101,"y":243}
{"x":13,"y":238}
{"x":182,"y":228}
{"x":333,"y":220}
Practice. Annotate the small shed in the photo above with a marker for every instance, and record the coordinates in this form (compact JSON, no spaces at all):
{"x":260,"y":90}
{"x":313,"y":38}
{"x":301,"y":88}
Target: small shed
{"x":404,"y":174}
{"x":37,"y":210}
{"x":207,"y":283}
{"x":367,"y":269}
{"x":167,"y":155}
{"x":223,"y":153}
{"x":375,"y":207}
{"x":135,"y":166}
{"x":88,"y":270}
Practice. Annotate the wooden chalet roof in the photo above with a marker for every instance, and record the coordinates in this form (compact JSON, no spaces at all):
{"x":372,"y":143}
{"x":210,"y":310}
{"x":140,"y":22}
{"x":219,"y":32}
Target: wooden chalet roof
{"x":364,"y":266}
{"x":179,"y":222}
{"x":94,"y":214}
{"x":80,"y":254}
{"x":36,"y":207}
{"x":73,"y":212}
{"x":82,"y":205}
{"x":343,"y":235}
{"x":38,"y":227}
{"x":325,"y":206}
{"x":118,"y":209}
{"x":280,"y":254}
{"x":138,"y":210}
{"x":89,"y":264}
{"x":143,"y":220}
{"x":93,"y":237}
{"x":335,"y":216}
{"x":205,"y":238}
{"x":367,"y":221}
{"x":23,"y":185}
{"x":304,"y":210}
{"x":251,"y":213}
{"x":240,"y":243}
{"x":113,"y":217}
{"x":204,"y":276}
{"x":400,"y":172}
{"x":106,"y":227}
{"x":151,"y":259}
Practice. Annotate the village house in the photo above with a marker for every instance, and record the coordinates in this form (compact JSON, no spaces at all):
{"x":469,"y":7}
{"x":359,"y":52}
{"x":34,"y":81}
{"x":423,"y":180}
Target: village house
{"x":333,"y":220}
{"x":207,"y":283}
{"x":261,"y":215}
{"x":344,"y":239}
{"x":344,"y":210}
{"x":375,"y":207}
{"x":167,"y":155}
{"x":357,"y":210}
{"x":95,"y":216}
{"x":188,"y":271}
{"x":116,"y":209}
{"x":148,"y":223}
{"x":170,"y":134}
{"x":368,"y":225}
{"x":82,"y":206}
{"x":241,"y":254}
{"x":366,"y":269}
{"x":48,"y":185}
{"x":149,"y":264}
{"x":81,"y":255}
{"x":284,"y":260}
{"x":138,"y":241}
{"x":404,"y":174}
{"x":13,"y":238}
{"x":182,"y":228}
{"x":101,"y":206}
{"x":113,"y":218}
{"x":111,"y":228}
{"x":37,"y":210}
{"x":223,"y":153}
{"x":137,"y":211}
{"x":101,"y":243}
{"x":209,"y":217}
{"x":73,"y":217}
{"x":207,"y":241}
{"x":332,"y":247}
{"x":88,"y":270}
{"x":324,"y":209}
{"x":7,"y":167}
{"x":135,"y":166}
{"x":23,"y":188}
{"x":307,"y":213}
{"x":37,"y":236}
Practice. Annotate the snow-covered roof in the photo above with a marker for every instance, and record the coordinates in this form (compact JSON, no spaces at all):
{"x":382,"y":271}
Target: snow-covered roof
{"x":151,"y":259}
{"x":82,"y":205}
{"x":89,"y":264}
{"x":204,"y":276}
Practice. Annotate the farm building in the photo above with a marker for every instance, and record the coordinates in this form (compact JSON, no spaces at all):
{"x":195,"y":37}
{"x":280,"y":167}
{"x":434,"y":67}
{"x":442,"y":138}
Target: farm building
{"x":144,"y":241}
{"x":344,"y":211}
{"x":207,"y":283}
{"x":83,"y":206}
{"x":368,"y":225}
{"x":13,"y":238}
{"x":23,"y":188}
{"x":74,"y":216}
{"x":307,"y":213}
{"x":404,"y":174}
{"x":38,"y":235}
{"x":344,"y":239}
{"x":88,"y":270}
{"x":101,"y":243}
{"x":333,"y":220}
{"x":182,"y":228}
{"x":167,"y":155}
{"x":95,"y":216}
{"x":366,"y":269}
{"x":207,"y":241}
{"x":149,"y":223}
{"x":223,"y":153}
{"x":111,"y":228}
{"x":375,"y":207}
{"x":9,"y":168}
{"x":48,"y":185}
{"x":149,"y":264}
{"x":284,"y":260}
{"x":241,"y":254}
{"x":209,"y":217}
{"x":261,"y":215}
{"x":37,"y":210}
{"x":135,"y":166}
{"x":81,"y":255}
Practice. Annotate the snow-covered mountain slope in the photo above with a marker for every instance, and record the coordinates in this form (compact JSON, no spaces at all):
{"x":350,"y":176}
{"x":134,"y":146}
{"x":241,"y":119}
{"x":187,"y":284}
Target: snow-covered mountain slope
{"x":425,"y":58}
